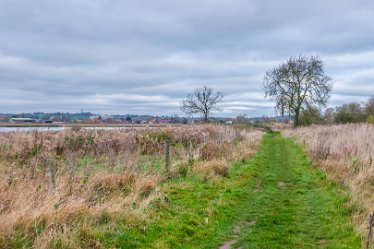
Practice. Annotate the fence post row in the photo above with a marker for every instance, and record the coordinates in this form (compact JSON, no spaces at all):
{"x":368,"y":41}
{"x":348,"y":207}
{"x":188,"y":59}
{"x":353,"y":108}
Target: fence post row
{"x":167,"y":156}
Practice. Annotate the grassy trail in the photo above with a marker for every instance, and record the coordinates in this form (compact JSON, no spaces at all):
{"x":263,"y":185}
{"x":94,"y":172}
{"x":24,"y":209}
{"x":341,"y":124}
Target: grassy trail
{"x":295,"y":207}
{"x":276,"y":200}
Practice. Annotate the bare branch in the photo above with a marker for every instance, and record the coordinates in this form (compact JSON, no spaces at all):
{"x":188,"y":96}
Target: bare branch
{"x":203,"y":100}
{"x":299,"y":83}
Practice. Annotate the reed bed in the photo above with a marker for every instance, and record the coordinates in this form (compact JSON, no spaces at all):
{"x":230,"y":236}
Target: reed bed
{"x":55,"y":186}
{"x":346,"y":153}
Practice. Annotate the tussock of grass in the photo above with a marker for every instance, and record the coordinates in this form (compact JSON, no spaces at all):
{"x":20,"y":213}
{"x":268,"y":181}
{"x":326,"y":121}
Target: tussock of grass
{"x":212,"y":169}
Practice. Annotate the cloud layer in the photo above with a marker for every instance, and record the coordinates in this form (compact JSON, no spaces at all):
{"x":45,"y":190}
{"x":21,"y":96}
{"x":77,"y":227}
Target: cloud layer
{"x":144,"y":56}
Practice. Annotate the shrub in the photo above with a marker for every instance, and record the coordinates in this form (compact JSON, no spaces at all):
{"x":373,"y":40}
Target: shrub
{"x":370,"y":119}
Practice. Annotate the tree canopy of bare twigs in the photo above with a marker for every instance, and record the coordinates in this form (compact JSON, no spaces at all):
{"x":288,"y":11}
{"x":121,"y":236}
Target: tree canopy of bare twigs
{"x":370,"y":106}
{"x":203,"y":100}
{"x":298,"y":84}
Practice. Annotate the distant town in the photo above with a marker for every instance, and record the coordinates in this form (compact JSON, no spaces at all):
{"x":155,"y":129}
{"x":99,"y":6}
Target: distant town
{"x":91,"y":118}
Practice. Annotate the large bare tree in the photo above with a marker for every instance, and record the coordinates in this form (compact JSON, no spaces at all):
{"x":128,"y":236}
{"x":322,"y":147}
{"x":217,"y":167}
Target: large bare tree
{"x":298,"y":84}
{"x":203,"y":100}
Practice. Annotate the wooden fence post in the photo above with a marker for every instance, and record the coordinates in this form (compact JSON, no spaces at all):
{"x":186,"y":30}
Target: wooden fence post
{"x":52,"y":171}
{"x":10,"y":180}
{"x":167,"y":156}
{"x":370,"y":233}
{"x":190,"y":156}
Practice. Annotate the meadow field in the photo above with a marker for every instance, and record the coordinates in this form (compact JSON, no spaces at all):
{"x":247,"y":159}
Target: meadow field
{"x":54,"y":185}
{"x":188,"y":186}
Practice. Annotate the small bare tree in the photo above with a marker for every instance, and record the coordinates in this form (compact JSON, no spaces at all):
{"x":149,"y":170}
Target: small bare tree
{"x":203,"y":100}
{"x":297,"y":85}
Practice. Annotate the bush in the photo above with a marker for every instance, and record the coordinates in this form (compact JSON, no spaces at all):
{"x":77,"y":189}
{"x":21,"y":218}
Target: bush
{"x":370,"y":119}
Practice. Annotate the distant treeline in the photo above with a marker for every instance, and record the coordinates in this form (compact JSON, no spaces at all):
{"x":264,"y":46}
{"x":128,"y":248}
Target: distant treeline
{"x":347,"y":113}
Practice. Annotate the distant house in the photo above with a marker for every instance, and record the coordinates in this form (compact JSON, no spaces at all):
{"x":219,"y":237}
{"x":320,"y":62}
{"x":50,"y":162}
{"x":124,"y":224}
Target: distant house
{"x":140,"y":121}
{"x":22,"y":120}
{"x":94,"y":117}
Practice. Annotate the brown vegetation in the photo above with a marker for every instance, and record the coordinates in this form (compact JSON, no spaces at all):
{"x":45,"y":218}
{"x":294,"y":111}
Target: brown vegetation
{"x":100,"y":177}
{"x":346,"y":153}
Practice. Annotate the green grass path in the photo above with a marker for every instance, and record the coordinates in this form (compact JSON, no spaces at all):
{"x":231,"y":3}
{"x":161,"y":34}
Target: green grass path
{"x":275,"y":200}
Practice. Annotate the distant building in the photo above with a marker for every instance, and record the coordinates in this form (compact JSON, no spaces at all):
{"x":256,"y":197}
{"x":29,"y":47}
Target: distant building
{"x":22,"y":120}
{"x":140,"y":121}
{"x":94,"y":117}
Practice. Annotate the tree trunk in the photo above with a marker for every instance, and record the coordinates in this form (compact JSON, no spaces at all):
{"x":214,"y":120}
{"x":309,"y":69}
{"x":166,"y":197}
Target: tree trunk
{"x":206,"y":117}
{"x":296,"y":119}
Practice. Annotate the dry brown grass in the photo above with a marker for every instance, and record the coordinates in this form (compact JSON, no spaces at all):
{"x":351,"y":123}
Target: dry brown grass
{"x":212,"y":169}
{"x":346,"y":153}
{"x":102,"y":177}
{"x":30,"y":204}
{"x":276,"y":126}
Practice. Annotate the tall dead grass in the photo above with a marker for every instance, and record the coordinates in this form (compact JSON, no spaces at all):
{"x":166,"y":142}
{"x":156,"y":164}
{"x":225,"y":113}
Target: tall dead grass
{"x":102,"y":177}
{"x":346,"y":153}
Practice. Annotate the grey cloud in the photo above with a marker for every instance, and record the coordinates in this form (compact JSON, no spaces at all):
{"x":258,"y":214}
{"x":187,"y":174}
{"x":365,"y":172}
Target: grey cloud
{"x":145,"y":56}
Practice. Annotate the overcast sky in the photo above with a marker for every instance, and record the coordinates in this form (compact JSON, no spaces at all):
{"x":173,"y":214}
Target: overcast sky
{"x":122,"y":56}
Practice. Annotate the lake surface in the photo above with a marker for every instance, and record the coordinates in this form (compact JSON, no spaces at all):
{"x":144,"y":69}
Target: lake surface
{"x":45,"y":129}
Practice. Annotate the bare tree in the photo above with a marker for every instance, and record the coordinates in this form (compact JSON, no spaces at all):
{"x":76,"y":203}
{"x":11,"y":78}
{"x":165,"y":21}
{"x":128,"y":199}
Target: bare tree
{"x":203,"y":100}
{"x":297,"y":85}
{"x":369,"y":107}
